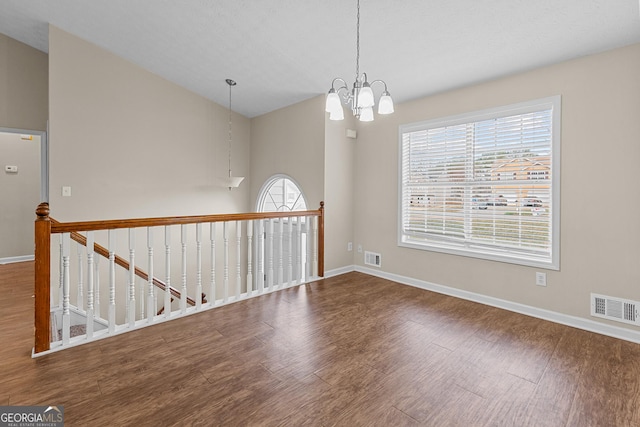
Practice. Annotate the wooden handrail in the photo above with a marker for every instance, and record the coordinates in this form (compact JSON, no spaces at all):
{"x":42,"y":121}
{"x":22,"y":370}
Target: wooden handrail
{"x":101,"y":250}
{"x":68,"y":227}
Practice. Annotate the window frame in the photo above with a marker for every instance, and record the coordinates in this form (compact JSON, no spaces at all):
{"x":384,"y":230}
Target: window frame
{"x":269,"y":183}
{"x":464,"y":248}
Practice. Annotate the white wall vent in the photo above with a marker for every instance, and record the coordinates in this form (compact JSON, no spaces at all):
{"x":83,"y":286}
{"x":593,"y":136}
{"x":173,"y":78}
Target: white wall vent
{"x":372,"y":258}
{"x":618,"y":309}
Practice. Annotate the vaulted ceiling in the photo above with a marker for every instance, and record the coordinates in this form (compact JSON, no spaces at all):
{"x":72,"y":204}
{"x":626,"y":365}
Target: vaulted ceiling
{"x":284,"y":51}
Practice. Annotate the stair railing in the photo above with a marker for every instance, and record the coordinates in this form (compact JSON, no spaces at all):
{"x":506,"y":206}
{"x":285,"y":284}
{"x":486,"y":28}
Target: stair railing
{"x":121,"y":262}
{"x":277,"y":250}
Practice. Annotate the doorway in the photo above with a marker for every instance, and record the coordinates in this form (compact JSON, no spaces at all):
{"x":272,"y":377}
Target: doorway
{"x":23,"y":185}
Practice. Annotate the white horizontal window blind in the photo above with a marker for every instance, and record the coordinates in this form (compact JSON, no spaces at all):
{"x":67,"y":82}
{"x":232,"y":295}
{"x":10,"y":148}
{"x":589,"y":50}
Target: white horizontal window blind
{"x":484,"y":184}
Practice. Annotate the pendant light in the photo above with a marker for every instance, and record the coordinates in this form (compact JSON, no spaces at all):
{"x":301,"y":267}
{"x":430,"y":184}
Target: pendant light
{"x":230,"y":181}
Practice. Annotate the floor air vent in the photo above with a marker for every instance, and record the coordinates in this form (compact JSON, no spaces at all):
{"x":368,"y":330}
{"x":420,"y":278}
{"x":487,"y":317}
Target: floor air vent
{"x":620,"y":310}
{"x":372,"y":258}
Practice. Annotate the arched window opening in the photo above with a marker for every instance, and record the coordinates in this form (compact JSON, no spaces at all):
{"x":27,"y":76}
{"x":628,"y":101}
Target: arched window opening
{"x":281,"y":193}
{"x":281,"y":248}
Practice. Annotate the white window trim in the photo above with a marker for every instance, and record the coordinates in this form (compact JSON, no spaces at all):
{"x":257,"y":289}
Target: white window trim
{"x":262,"y":194}
{"x":465,"y":249}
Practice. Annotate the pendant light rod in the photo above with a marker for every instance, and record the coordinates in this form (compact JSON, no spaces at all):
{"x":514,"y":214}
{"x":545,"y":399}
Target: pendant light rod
{"x":231,"y":83}
{"x":357,"y":44}
{"x":230,"y":181}
{"x":356,"y":85}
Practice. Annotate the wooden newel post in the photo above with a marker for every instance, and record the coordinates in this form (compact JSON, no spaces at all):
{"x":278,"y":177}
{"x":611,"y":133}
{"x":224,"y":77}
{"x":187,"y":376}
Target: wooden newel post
{"x":321,"y":241}
{"x":42,"y":278}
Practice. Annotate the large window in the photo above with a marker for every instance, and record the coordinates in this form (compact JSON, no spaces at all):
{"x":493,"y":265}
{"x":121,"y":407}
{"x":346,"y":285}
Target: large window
{"x":484,"y":184}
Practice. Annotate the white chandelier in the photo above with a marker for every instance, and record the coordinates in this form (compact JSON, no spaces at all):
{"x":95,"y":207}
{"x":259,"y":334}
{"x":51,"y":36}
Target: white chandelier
{"x":360,"y":96}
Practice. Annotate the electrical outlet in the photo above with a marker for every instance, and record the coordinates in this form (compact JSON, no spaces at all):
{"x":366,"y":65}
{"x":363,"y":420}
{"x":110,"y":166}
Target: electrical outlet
{"x":541,"y":278}
{"x":350,"y":246}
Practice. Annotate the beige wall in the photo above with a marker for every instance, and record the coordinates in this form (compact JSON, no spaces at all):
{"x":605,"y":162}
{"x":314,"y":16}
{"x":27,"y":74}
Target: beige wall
{"x":297,"y":142}
{"x":23,"y":86}
{"x":290,"y":141}
{"x":339,"y":181}
{"x":599,"y":201}
{"x":300,"y":142}
{"x":19,"y":194}
{"x":23,"y":105}
{"x":131,"y":144}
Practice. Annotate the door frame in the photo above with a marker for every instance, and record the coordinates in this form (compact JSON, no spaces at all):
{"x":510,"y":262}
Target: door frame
{"x":44,"y":176}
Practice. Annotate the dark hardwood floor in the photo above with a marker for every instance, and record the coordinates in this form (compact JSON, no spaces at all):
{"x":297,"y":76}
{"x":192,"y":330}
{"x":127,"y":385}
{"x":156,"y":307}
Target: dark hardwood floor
{"x":353,"y":350}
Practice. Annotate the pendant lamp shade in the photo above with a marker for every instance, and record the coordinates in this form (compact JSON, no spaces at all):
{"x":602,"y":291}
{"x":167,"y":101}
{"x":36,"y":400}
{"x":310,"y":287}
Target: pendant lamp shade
{"x":385,"y":105}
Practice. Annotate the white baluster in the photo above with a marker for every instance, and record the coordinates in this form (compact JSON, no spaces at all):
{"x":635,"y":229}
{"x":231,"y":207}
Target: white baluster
{"x":80,"y":295}
{"x":167,"y":269}
{"x":212,"y":285}
{"x":260,"y":254}
{"x":309,"y":249}
{"x":198,"y":266}
{"x":281,"y":252}
{"x":238,"y":255}
{"x":270,"y":253}
{"x":314,"y":246}
{"x":183,"y":294}
{"x":131,"y":302}
{"x":61,"y":275}
{"x":89,"y":330}
{"x":249,"y":258}
{"x":96,"y":287}
{"x":290,"y":252}
{"x":298,"y":266}
{"x":142,"y":297}
{"x":66,"y":317}
{"x":151,"y":298}
{"x":225,"y":291}
{"x":112,"y":281}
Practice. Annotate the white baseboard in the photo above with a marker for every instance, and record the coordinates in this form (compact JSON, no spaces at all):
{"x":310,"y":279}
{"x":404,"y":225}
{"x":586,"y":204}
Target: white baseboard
{"x":12,"y":259}
{"x":339,"y":271}
{"x":552,"y":316}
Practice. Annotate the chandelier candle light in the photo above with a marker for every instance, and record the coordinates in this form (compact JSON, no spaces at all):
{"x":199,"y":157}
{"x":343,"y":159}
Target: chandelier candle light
{"x":360,"y":96}
{"x":231,"y":181}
